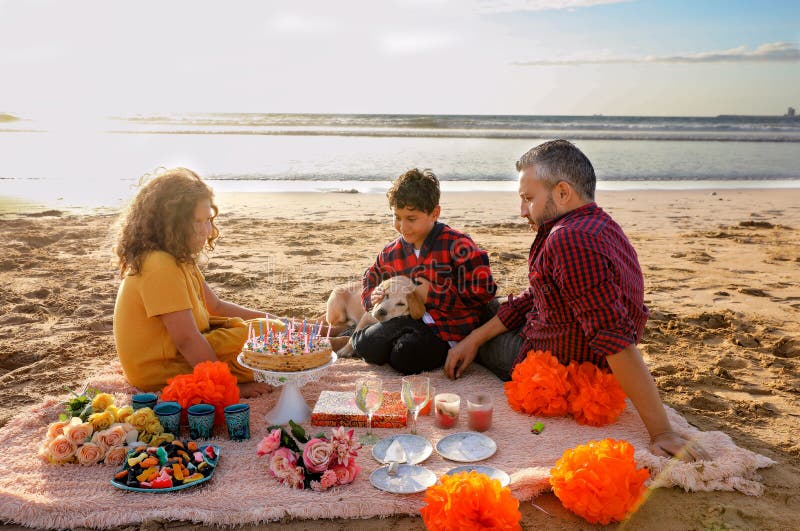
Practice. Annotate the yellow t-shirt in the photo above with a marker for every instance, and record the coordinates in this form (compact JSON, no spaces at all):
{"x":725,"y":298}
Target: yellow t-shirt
{"x":144,"y":347}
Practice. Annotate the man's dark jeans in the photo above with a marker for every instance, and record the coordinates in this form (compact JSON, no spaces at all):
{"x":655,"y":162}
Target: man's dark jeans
{"x":407,"y":345}
{"x":498,"y":354}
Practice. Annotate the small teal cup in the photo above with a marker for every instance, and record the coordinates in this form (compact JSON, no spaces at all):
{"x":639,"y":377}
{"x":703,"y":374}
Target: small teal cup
{"x":169,"y":415}
{"x":201,"y":421}
{"x":237,"y":419}
{"x":144,"y":400}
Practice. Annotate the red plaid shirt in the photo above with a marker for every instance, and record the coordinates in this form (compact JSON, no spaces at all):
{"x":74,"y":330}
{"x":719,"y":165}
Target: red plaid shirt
{"x":461,"y":280}
{"x":586,"y":294}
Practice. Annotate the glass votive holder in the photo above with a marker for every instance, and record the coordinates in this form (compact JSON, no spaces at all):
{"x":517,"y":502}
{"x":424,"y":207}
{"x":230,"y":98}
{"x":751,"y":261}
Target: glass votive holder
{"x":447,"y":406}
{"x":237,"y":419}
{"x":201,"y":421}
{"x":479,"y":412}
{"x":427,"y":409}
{"x":169,"y":415}
{"x":141,"y":400}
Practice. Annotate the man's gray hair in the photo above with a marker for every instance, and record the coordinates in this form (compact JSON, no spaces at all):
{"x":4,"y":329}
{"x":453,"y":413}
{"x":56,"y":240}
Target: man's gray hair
{"x":560,"y":160}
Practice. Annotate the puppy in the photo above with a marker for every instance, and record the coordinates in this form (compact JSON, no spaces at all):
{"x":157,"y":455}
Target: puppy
{"x":399,"y":299}
{"x":344,"y":305}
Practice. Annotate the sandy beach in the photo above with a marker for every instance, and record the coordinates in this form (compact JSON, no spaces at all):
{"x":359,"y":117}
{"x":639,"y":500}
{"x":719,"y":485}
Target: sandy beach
{"x":721,"y":276}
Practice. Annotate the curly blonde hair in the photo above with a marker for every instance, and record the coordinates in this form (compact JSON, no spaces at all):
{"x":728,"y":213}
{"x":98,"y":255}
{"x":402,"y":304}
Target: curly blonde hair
{"x":161,"y":217}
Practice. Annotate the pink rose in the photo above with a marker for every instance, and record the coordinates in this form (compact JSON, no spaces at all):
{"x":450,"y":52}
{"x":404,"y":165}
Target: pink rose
{"x":55,"y":429}
{"x":346,"y":473}
{"x":89,"y":454}
{"x":113,"y":436}
{"x":116,"y":456}
{"x":78,"y":432}
{"x":282,"y":463}
{"x":270,"y":443}
{"x":317,"y":455}
{"x":60,"y":450}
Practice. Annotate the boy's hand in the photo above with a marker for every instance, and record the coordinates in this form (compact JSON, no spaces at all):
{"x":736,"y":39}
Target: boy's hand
{"x":377,"y":295}
{"x":671,"y":444}
{"x":460,"y":357}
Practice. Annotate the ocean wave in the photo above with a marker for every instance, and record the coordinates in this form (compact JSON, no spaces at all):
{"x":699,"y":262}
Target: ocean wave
{"x":599,"y":134}
{"x":477,"y":125}
{"x":656,"y":177}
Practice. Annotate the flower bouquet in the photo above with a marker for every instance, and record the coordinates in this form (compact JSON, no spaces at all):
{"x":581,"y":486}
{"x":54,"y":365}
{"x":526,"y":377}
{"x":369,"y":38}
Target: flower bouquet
{"x":317,"y":463}
{"x":100,"y":433}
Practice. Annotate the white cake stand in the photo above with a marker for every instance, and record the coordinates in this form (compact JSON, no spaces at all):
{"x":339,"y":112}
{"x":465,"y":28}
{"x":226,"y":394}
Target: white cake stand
{"x":291,"y":404}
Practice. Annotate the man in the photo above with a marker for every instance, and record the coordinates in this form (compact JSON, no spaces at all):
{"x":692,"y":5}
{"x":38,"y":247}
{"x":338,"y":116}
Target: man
{"x":585,"y":301}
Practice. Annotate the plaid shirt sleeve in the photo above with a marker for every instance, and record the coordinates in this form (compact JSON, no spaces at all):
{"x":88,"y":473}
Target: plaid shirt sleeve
{"x":512,"y":312}
{"x":470,"y":280}
{"x":372,"y":277}
{"x":585,"y":274}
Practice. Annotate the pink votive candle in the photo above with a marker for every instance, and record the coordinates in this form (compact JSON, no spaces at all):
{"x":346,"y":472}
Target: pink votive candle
{"x":479,"y":412}
{"x":447,"y":406}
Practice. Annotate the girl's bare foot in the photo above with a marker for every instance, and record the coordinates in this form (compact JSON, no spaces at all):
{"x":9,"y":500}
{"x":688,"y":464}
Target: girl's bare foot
{"x":254,"y":389}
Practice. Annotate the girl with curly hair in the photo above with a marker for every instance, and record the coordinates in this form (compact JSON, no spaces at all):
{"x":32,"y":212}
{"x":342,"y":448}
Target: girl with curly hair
{"x":166,"y":315}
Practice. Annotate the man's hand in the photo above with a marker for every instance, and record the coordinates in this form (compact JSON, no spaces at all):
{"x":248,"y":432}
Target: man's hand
{"x":460,"y":357}
{"x":671,"y":444}
{"x":377,"y":295}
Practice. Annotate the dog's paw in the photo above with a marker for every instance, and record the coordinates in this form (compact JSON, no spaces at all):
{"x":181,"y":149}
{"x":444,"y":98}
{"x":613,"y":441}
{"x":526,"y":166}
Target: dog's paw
{"x":346,"y":351}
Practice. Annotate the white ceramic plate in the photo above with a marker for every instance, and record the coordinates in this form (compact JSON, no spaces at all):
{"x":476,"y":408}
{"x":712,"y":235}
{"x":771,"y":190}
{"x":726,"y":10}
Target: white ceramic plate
{"x":409,"y":479}
{"x":492,"y":472}
{"x":466,"y":447}
{"x":417,"y":448}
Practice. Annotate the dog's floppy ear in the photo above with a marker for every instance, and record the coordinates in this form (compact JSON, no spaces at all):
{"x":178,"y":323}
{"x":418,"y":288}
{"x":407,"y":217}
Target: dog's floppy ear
{"x":416,"y":306}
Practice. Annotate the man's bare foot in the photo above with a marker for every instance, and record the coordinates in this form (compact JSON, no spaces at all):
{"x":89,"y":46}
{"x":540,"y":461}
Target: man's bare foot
{"x":254,"y":389}
{"x":338,"y":342}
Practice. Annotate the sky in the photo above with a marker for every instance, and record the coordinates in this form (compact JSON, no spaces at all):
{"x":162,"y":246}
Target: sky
{"x":568,"y":57}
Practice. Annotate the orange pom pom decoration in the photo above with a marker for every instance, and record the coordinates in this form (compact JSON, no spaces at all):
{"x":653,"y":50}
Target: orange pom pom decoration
{"x":595,"y":396}
{"x":470,"y":500}
{"x":539,"y":386}
{"x":211,"y":382}
{"x":599,"y":481}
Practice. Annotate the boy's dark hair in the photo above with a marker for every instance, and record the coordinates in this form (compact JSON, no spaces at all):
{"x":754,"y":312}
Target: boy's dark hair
{"x":415,"y":189}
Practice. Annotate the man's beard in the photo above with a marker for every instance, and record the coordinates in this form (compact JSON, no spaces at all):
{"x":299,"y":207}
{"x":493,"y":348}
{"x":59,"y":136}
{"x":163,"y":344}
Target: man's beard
{"x":550,"y":212}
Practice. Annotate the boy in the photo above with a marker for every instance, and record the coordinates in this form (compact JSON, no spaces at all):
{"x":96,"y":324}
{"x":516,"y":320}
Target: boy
{"x":452,"y":275}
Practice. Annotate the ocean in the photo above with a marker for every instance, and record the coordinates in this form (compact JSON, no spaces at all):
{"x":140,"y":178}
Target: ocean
{"x":97,"y":163}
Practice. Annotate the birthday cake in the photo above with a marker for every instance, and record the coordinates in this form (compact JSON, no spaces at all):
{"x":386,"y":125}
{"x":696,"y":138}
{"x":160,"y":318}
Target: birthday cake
{"x":293,"y":349}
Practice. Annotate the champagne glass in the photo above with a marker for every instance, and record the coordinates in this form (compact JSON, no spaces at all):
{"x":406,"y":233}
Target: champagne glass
{"x":416,"y":392}
{"x":369,"y":395}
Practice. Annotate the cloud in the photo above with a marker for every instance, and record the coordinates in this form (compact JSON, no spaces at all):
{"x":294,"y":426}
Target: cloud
{"x":505,"y":6}
{"x":415,"y":42}
{"x":299,"y":23}
{"x":771,"y":52}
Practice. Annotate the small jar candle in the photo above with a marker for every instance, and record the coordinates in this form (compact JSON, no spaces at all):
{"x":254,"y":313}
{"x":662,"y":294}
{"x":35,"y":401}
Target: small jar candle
{"x":479,"y":412}
{"x":447,"y":406}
